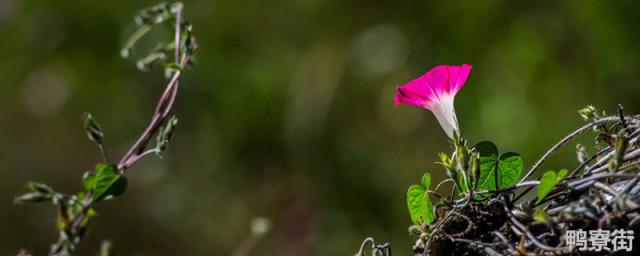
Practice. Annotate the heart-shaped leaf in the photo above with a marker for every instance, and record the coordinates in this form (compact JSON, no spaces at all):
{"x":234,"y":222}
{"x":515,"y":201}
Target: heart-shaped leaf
{"x":486,"y":148}
{"x":503,"y":171}
{"x":509,"y":168}
{"x":418,"y":202}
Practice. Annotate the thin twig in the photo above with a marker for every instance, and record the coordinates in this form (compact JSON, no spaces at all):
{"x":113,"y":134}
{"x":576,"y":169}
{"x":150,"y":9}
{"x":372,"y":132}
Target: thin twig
{"x":518,"y":225}
{"x":565,"y":140}
{"x":443,"y":182}
{"x":136,"y":152}
{"x":166,"y":101}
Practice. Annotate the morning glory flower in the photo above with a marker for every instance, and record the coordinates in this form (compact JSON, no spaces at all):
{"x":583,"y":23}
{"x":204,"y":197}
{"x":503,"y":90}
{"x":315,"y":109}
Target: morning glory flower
{"x":435,"y":91}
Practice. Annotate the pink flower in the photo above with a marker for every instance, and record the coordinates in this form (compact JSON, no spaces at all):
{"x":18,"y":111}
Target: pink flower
{"x":435,"y":91}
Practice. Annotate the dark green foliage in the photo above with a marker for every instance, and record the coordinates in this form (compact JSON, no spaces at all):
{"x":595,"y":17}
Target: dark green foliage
{"x":503,"y":171}
{"x":599,"y":194}
{"x":104,"y":182}
{"x":479,"y":168}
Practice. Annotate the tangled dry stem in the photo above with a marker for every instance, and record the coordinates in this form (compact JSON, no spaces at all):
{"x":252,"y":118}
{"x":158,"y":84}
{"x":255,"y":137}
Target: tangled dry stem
{"x":594,"y":196}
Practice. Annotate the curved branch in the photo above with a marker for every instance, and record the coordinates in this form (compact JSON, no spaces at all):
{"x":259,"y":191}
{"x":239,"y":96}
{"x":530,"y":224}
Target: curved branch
{"x":565,"y":140}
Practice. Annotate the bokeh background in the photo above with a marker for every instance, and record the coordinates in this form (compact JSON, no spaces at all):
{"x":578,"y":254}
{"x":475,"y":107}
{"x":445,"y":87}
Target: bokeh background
{"x":288,"y":113}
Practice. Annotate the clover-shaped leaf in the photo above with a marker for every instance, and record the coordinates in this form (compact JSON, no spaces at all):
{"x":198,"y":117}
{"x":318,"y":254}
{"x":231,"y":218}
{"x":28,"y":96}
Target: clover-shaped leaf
{"x":503,"y":171}
{"x":418,"y":202}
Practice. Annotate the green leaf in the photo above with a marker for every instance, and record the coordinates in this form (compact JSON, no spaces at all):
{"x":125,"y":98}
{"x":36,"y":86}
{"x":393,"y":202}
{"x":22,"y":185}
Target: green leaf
{"x":34,"y":197}
{"x":89,"y":180}
{"x":588,"y":113}
{"x":39,"y":192}
{"x":39,"y":187}
{"x":486,"y":148}
{"x":445,"y":161}
{"x":165,"y":134}
{"x":419,"y":203}
{"x":117,"y":188}
{"x":462,"y":180}
{"x":549,"y":180}
{"x":426,"y":180}
{"x":173,"y":66}
{"x":92,"y":128}
{"x":541,"y":216}
{"x":562,"y":174}
{"x":105,"y":182}
{"x":507,"y":168}
{"x":144,"y":64}
{"x":488,"y":158}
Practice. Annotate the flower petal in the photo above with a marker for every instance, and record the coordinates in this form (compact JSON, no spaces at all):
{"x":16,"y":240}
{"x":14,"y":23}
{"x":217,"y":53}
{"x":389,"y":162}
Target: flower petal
{"x":420,"y":87}
{"x":438,"y":80}
{"x":435,"y":90}
{"x":407,"y":96}
{"x":457,"y":77}
{"x":445,"y":114}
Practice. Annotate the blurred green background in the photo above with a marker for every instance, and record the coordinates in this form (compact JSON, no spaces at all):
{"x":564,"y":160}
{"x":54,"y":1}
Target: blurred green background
{"x":288,"y":113}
